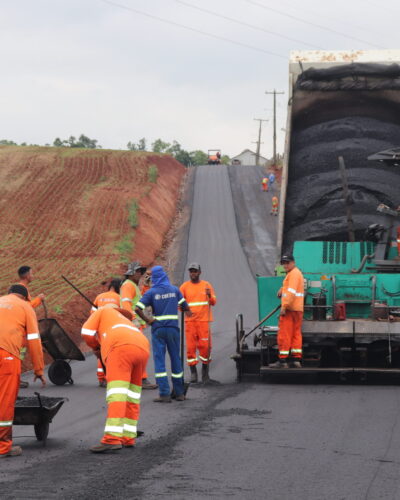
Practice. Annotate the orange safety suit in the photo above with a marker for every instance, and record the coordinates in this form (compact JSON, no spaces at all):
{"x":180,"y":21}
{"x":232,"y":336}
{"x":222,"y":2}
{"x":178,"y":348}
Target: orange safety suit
{"x":197,"y":327}
{"x":275,"y":205}
{"x":125,"y":352}
{"x":264,"y":183}
{"x":36,"y":301}
{"x":18,"y":326}
{"x":101,"y":300}
{"x":130,"y":296}
{"x":292,"y":300}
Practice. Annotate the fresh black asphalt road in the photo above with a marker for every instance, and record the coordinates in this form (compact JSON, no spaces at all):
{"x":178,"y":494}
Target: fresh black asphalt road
{"x":253,"y":440}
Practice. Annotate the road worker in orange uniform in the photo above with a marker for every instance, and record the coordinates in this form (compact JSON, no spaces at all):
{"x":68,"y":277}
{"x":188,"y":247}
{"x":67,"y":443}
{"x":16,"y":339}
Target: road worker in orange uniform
{"x":275,"y":205}
{"x":200,"y":296}
{"x":25,"y":278}
{"x":264,"y":183}
{"x":125,"y":351}
{"x":130,"y":296}
{"x":18,"y":325}
{"x":109,"y":297}
{"x":291,"y":315}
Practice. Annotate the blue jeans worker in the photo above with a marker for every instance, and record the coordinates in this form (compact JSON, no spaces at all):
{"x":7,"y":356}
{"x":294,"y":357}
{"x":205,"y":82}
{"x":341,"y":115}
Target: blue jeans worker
{"x":164,"y":300}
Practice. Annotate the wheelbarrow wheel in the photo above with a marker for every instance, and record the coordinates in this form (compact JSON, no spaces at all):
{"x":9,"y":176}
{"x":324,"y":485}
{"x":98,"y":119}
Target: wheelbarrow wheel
{"x":42,"y":431}
{"x":60,"y":372}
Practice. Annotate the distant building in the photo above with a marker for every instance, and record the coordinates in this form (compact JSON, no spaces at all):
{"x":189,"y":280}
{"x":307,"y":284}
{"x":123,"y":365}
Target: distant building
{"x":247,"y":157}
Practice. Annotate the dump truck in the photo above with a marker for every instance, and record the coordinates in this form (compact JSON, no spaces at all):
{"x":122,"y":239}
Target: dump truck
{"x":338,"y":216}
{"x":214,"y":157}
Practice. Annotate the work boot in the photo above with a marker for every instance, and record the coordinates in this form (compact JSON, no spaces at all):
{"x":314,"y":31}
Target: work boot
{"x":163,"y":399}
{"x":205,"y":377}
{"x":279,"y":364}
{"x":181,"y":397}
{"x":105,"y":448}
{"x":23,"y":384}
{"x":102,"y":383}
{"x":15,"y":451}
{"x":295,"y":363}
{"x":193,"y":374}
{"x":146,"y":384}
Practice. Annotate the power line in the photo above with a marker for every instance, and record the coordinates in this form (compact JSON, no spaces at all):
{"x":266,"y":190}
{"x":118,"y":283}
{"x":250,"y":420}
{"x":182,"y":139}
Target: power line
{"x":326,"y":28}
{"x":248,"y":25}
{"x":194,"y":30}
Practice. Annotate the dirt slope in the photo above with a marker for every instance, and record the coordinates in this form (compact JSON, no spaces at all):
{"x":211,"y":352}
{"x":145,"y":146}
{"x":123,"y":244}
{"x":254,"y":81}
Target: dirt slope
{"x":69,"y":211}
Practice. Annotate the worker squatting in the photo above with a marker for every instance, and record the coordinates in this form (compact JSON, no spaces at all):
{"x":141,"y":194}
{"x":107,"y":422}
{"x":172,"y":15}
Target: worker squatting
{"x":114,"y":331}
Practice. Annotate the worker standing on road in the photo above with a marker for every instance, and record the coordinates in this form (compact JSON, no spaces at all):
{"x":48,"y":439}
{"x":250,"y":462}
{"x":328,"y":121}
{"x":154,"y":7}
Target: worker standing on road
{"x":200,"y":296}
{"x":264,"y":184}
{"x":109,"y":297}
{"x":25,"y":278}
{"x":18,"y":324}
{"x":271,"y":179}
{"x":275,"y":205}
{"x":291,"y":315}
{"x":125,"y":351}
{"x":130,"y":296}
{"x":164,"y":300}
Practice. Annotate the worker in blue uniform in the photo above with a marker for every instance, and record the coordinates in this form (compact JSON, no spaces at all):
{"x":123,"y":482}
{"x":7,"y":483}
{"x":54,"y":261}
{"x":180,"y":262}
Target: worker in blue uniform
{"x":164,"y":299}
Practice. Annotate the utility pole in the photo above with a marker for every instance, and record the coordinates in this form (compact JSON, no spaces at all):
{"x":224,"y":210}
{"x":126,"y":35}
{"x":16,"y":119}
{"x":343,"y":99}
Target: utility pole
{"x":260,"y":120}
{"x":274,"y":93}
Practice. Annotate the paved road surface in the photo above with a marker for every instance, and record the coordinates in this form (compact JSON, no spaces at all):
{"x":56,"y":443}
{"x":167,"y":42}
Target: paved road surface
{"x":247,"y":441}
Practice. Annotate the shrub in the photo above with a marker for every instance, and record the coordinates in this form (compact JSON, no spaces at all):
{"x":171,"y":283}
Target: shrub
{"x":153,"y":173}
{"x":133,"y":216}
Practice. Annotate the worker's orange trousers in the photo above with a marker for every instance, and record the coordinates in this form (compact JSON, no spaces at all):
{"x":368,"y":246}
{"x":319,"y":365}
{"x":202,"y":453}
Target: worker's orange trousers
{"x":124,"y":365}
{"x":265,"y":187}
{"x":198,"y":338}
{"x":10,"y":371}
{"x":289,"y":335}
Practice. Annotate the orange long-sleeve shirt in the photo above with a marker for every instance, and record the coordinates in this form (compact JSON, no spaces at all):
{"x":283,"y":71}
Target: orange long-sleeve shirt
{"x":293,"y":291}
{"x":36,"y":301}
{"x":108,"y":329}
{"x":130,"y":295}
{"x":18,"y":327}
{"x":199,"y":303}
{"x":106,"y":298}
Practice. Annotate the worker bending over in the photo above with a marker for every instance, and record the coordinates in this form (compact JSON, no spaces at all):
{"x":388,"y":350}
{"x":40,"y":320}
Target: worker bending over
{"x":264,"y":183}
{"x":164,"y":300}
{"x":291,"y":315}
{"x":25,"y":278}
{"x":124,"y":350}
{"x":200,"y":296}
{"x":18,"y":326}
{"x":130,"y":296}
{"x":109,"y":297}
{"x":275,"y":205}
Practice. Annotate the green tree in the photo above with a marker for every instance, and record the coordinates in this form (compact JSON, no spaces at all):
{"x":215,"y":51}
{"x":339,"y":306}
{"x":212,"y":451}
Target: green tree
{"x":140,"y":146}
{"x":198,"y":157}
{"x":225,"y":160}
{"x":5,"y":142}
{"x":57,"y":143}
{"x":160,"y":146}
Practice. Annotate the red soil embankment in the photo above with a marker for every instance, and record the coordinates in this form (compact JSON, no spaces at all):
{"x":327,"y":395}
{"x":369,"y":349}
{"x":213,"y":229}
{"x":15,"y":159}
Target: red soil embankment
{"x":72,"y":211}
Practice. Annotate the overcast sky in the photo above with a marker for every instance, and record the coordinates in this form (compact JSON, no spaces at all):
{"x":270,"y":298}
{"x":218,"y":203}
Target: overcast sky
{"x":95,"y":67}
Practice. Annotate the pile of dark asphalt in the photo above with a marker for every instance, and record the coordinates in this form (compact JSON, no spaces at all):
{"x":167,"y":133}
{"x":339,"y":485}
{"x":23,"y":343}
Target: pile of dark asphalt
{"x":315,"y":207}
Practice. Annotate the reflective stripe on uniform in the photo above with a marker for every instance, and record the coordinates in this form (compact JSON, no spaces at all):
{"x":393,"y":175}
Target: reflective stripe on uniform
{"x":292,"y":290}
{"x":114,"y":426}
{"x":191,"y":360}
{"x":198,"y":304}
{"x":140,"y":305}
{"x":285,"y":353}
{"x":177,"y":375}
{"x":182,"y":300}
{"x":297,"y":351}
{"x":166,"y":317}
{"x":6,"y":423}
{"x":162,"y":374}
{"x":120,"y":390}
{"x":204,"y":359}
{"x":122,"y":325}
{"x":125,"y":300}
{"x":86,"y":331}
{"x":130,"y":427}
{"x":32,"y":336}
{"x":100,"y":370}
